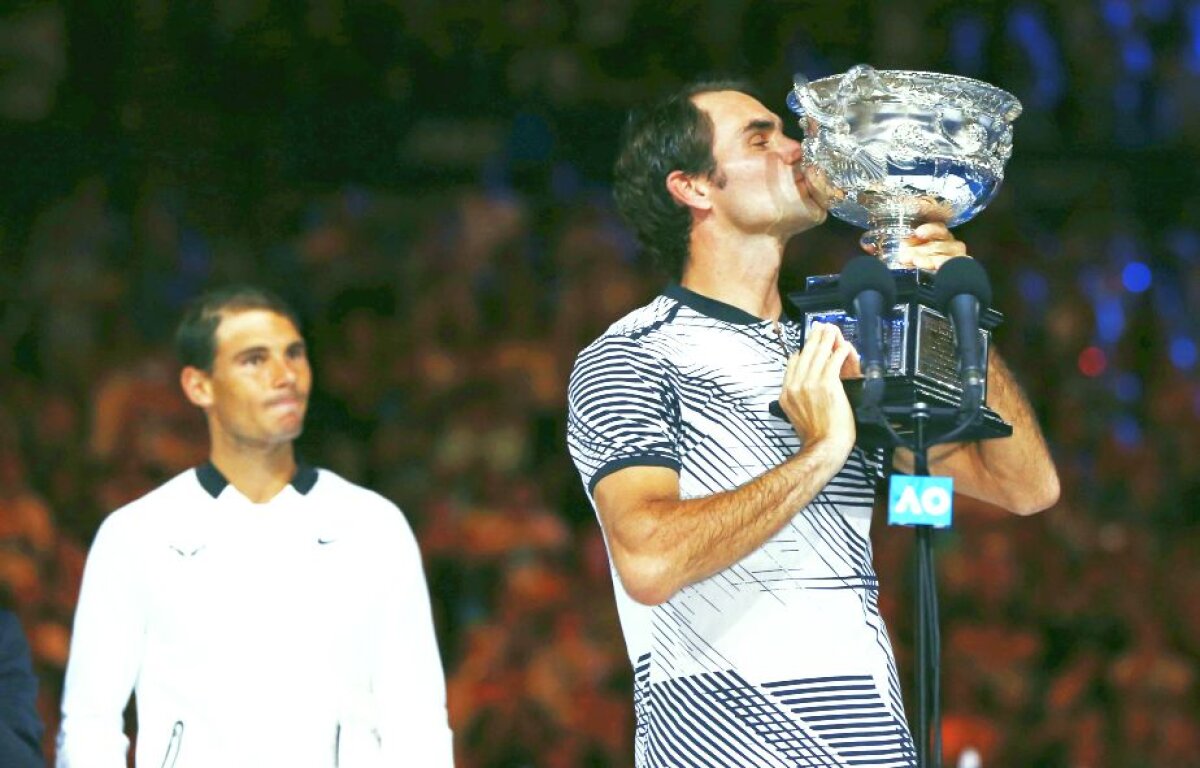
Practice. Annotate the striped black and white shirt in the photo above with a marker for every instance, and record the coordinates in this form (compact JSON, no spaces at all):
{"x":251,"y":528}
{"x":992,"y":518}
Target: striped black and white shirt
{"x":782,"y":659}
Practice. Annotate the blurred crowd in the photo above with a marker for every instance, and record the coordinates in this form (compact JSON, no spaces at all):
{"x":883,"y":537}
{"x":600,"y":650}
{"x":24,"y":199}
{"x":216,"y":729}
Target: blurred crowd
{"x":427,"y":183}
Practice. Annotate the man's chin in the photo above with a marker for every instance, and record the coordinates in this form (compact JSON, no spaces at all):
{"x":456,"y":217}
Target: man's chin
{"x":813,"y":218}
{"x":289,"y":430}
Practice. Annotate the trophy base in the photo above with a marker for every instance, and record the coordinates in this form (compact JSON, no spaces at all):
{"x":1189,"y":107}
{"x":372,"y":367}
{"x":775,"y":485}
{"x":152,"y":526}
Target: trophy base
{"x":900,"y":401}
{"x":921,"y":365}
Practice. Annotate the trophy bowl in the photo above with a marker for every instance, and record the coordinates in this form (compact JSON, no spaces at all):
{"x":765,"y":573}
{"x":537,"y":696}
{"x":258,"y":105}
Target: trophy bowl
{"x":888,"y":150}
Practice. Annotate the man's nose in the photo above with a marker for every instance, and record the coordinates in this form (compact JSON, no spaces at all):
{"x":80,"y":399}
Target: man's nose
{"x":283,"y":372}
{"x":793,"y":151}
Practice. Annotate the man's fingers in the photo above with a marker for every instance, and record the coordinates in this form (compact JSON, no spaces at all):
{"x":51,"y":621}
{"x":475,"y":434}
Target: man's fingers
{"x":929,"y":247}
{"x":837,"y":359}
{"x":931,"y":255}
{"x":852,"y":366}
{"x":807,"y":367}
{"x":820,"y":340}
{"x":791,"y":372}
{"x":933,"y":230}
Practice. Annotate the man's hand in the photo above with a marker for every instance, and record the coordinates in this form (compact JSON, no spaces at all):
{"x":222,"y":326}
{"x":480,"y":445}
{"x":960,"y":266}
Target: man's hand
{"x":813,"y":396}
{"x":929,"y":247}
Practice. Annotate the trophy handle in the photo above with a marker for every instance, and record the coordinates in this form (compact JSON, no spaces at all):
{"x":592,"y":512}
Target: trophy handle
{"x":802,"y":103}
{"x":851,"y":86}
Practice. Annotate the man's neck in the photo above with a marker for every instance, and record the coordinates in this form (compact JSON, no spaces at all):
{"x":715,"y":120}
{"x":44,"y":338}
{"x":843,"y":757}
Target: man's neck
{"x":742,"y":273}
{"x":259,"y":474}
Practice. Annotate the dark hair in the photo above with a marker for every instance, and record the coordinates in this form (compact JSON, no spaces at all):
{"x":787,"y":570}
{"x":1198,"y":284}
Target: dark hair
{"x":196,"y":336}
{"x":671,"y":135}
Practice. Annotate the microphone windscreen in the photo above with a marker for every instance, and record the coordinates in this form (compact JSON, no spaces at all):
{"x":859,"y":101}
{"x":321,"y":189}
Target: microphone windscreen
{"x":958,"y":276}
{"x":866,"y":273}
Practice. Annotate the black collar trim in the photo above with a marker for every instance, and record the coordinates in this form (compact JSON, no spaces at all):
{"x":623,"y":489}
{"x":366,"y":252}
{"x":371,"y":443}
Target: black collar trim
{"x":305,"y":478}
{"x":718,"y":310}
{"x":213,"y":482}
{"x":211,"y":479}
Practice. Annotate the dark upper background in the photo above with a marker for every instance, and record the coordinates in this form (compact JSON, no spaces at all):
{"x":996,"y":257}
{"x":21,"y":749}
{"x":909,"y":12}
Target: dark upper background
{"x":428,"y":182}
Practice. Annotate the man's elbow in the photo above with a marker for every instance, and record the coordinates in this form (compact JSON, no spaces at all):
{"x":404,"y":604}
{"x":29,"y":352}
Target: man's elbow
{"x":1038,"y":496}
{"x":647,"y":579}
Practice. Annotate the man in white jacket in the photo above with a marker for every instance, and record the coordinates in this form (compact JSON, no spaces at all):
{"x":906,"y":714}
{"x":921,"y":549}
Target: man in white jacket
{"x":265,"y":612}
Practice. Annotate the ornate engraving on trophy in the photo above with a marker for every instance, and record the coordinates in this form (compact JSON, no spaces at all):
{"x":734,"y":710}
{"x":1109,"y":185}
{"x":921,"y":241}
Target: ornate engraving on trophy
{"x":888,"y":150}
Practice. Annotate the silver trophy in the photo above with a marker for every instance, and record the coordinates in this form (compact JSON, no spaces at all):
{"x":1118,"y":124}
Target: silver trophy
{"x":888,"y":150}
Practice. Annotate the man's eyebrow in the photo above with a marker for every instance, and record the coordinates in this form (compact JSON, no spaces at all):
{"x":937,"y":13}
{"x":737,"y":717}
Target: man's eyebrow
{"x":759,"y":124}
{"x":258,"y":348}
{"x":247,"y":351}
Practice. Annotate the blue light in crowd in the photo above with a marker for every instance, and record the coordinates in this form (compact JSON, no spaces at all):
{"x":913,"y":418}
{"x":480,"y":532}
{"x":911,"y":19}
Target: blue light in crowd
{"x":1033,"y":287}
{"x":1118,"y":14}
{"x":1126,"y":431}
{"x":967,"y":43}
{"x":1127,"y":387}
{"x":1136,"y":277}
{"x":1183,"y":353}
{"x":1028,"y":27}
{"x":1136,"y":54}
{"x":1110,"y":320}
{"x":1193,"y":22}
{"x":1157,"y":11}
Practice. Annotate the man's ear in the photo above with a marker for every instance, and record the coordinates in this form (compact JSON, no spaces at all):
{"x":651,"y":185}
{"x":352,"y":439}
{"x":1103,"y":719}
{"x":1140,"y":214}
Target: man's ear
{"x":688,"y":190}
{"x":197,"y":386}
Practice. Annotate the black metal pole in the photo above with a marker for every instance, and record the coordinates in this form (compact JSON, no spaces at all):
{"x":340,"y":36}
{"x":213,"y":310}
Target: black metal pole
{"x":929,"y":731}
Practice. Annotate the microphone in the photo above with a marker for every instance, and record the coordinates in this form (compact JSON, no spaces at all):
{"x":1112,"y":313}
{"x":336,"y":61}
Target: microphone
{"x":961,"y":289}
{"x":868,"y":291}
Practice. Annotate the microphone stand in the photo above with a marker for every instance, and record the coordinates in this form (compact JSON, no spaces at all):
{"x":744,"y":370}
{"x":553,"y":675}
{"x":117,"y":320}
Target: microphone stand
{"x":928,"y":630}
{"x":867,"y":292}
{"x":928,"y":734}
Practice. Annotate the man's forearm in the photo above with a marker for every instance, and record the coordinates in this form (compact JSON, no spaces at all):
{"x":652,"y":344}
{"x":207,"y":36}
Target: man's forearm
{"x":670,"y":543}
{"x":1014,"y":472}
{"x":1022,"y":463}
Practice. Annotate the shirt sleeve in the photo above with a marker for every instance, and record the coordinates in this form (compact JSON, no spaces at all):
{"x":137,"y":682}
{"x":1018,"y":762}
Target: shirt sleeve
{"x":106,"y":650}
{"x":622,"y":410}
{"x":20,"y":726}
{"x":407,"y":679}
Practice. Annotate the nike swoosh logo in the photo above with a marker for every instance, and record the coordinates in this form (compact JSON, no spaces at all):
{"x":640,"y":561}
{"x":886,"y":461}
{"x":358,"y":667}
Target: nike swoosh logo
{"x":325,"y":541}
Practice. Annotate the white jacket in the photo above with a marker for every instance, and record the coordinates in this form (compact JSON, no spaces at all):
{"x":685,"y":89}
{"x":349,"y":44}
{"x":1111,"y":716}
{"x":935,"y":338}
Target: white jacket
{"x":293,"y":633}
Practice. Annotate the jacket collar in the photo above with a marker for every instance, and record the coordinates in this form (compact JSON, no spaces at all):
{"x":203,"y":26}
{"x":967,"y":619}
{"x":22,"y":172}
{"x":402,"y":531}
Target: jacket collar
{"x":213,"y":482}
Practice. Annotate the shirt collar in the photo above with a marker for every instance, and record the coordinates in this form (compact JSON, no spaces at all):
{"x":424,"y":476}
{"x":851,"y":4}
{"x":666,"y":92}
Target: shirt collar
{"x":213,"y":482}
{"x":718,"y":310}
